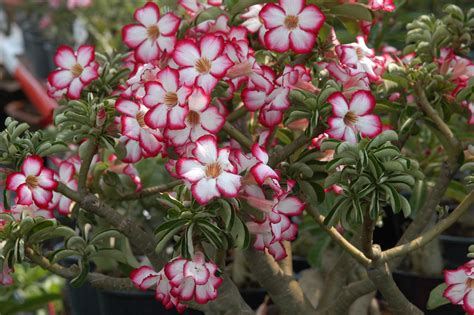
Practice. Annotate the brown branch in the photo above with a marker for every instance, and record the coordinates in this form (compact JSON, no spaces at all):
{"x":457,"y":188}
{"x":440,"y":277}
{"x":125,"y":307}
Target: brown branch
{"x":292,"y":147}
{"x":367,"y":235}
{"x":146,"y":192}
{"x":432,"y":233}
{"x":237,"y":113}
{"x":237,"y":135}
{"x":337,"y":237}
{"x":285,"y":291}
{"x":97,"y":280}
{"x":383,"y":280}
{"x":137,"y":236}
{"x":228,"y":302}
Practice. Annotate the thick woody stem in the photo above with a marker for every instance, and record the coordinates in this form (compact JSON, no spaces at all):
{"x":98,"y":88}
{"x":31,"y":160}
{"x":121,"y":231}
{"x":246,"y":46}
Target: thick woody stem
{"x":367,"y":236}
{"x":146,"y":192}
{"x":97,"y":280}
{"x":399,"y":304}
{"x":285,"y":291}
{"x":137,"y":236}
{"x":237,"y":135}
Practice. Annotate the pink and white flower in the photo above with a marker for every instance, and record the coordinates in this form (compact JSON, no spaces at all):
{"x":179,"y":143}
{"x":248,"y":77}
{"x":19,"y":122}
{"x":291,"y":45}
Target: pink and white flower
{"x":5,"y":276}
{"x":153,"y":35}
{"x":460,"y":288}
{"x":291,"y":25}
{"x":202,"y":64}
{"x":33,"y":184}
{"x":166,"y":99}
{"x":261,"y":171}
{"x":276,"y":226}
{"x":67,"y":176}
{"x":359,"y":57}
{"x":459,"y":69}
{"x":133,"y":126}
{"x":210,"y":172}
{"x":21,"y":211}
{"x":201,"y":119}
{"x":385,"y":5}
{"x":76,"y":70}
{"x":193,"y":279}
{"x":354,"y":117}
{"x":145,"y":277}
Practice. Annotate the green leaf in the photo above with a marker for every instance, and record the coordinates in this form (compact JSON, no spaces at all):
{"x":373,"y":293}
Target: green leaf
{"x":167,"y":234}
{"x":75,"y":242}
{"x":109,"y":253}
{"x":405,"y":206}
{"x":107,"y":234}
{"x":352,"y":11}
{"x":170,"y":225}
{"x":240,"y":234}
{"x":227,"y":214}
{"x":82,"y":276}
{"x":436,"y":298}
{"x":63,"y":253}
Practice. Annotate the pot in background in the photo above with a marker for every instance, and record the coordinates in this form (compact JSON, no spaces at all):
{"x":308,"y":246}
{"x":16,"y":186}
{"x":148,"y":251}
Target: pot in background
{"x":417,"y":290}
{"x":134,"y":303}
{"x":455,"y":249}
{"x":83,"y":300}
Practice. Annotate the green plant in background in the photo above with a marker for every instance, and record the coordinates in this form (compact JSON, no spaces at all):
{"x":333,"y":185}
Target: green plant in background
{"x":33,"y":290}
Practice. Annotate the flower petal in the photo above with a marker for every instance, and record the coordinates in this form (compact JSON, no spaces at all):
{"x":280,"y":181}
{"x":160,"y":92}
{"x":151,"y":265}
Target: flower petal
{"x":32,"y":165}
{"x":134,"y":35}
{"x":228,"y":184}
{"x":301,"y":41}
{"x":85,"y":55}
{"x":362,"y":103}
{"x":60,"y":78}
{"x":14,"y":180}
{"x":369,"y":125}
{"x":311,"y":18}
{"x":65,"y":57}
{"x":206,"y":150}
{"x":157,"y":117}
{"x":339,"y":104}
{"x":272,"y":15}
{"x":278,"y":39}
{"x":41,"y":197}
{"x":186,"y":53}
{"x":190,"y":169}
{"x":292,"y":7}
{"x":290,"y":206}
{"x":204,"y":190}
{"x":169,"y":24}
{"x":148,"y":14}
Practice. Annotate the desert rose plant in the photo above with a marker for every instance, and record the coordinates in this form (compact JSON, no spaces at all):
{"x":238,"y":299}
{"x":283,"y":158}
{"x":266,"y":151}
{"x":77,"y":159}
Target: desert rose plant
{"x":220,"y":128}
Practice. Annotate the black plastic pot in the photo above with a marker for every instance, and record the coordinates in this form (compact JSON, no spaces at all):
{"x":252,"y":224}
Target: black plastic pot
{"x":417,"y":290}
{"x":134,"y":303}
{"x":454,"y":250}
{"x":37,"y":56}
{"x":83,"y":300}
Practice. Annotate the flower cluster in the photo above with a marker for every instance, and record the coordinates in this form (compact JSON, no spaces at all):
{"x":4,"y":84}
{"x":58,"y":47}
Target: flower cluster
{"x":460,"y":288}
{"x":181,"y":280}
